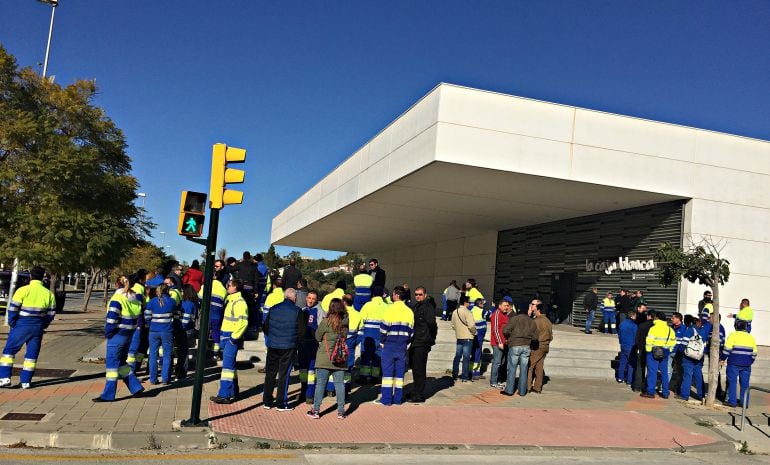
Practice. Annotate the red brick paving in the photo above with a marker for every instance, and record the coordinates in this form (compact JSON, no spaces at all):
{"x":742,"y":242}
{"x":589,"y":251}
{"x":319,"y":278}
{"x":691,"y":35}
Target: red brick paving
{"x":424,"y":424}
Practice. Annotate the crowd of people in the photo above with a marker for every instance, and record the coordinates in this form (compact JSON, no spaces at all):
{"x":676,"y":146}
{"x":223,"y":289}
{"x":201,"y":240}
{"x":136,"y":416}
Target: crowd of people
{"x":656,"y":357}
{"x":156,"y":314}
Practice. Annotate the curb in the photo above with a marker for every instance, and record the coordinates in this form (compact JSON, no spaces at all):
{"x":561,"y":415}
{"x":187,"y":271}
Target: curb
{"x":201,"y":439}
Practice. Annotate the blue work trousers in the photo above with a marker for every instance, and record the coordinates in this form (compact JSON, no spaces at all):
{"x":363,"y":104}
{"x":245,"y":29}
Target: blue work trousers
{"x":228,"y":381}
{"x":735,"y":374}
{"x":116,"y":366}
{"x":608,"y":321}
{"x":29,"y":331}
{"x":165,"y":340}
{"x":478,"y":343}
{"x":691,"y":370}
{"x":655,"y":366}
{"x":393,"y":370}
{"x":626,"y":365}
{"x":370,"y":357}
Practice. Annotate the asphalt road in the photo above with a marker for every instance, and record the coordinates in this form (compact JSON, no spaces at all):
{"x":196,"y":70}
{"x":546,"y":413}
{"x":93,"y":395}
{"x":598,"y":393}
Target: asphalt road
{"x":396,"y":457}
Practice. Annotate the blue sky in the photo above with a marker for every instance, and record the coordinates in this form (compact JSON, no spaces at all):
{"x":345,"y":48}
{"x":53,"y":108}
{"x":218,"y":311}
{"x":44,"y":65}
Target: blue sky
{"x":302,"y":85}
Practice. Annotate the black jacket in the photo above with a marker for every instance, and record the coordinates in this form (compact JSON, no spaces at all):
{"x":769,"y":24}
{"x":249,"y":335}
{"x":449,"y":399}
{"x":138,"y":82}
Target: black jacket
{"x":623,"y":304}
{"x":590,"y":301}
{"x":425,"y":328}
{"x":291,"y":276}
{"x":247,"y":273}
{"x":641,"y":334}
{"x":378,"y":276}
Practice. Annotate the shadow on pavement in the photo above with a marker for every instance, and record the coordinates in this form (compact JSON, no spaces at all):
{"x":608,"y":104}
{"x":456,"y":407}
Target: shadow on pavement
{"x":70,"y":379}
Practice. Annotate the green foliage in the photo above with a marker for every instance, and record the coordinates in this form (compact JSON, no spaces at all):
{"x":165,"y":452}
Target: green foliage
{"x":146,"y":255}
{"x":697,"y":264}
{"x":65,"y":183}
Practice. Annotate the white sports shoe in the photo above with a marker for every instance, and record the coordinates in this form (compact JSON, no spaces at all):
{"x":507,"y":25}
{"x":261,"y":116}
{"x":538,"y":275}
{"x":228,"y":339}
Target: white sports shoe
{"x":25,"y":385}
{"x":5,"y":382}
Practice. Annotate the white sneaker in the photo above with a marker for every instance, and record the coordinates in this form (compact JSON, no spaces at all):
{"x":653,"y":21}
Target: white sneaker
{"x":5,"y":382}
{"x":25,"y":385}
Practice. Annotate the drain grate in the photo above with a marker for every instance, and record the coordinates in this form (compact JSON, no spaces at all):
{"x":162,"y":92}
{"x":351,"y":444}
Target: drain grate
{"x":47,"y":373}
{"x":14,"y":416}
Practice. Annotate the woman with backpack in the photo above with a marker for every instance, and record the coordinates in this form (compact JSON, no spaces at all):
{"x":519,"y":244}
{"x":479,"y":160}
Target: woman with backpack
{"x":331,"y":358}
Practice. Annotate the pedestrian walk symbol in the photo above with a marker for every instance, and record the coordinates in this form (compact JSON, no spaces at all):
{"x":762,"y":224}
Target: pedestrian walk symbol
{"x":191,"y":226}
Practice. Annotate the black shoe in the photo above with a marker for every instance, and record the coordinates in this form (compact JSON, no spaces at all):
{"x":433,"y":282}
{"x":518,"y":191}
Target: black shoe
{"x":418,"y":400}
{"x":100,"y":399}
{"x":589,"y":332}
{"x":222,"y":400}
{"x":506,"y":394}
{"x":647,"y":396}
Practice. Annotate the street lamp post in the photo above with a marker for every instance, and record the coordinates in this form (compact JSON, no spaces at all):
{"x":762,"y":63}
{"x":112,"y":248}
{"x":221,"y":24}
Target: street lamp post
{"x":15,"y":272}
{"x":143,"y":196}
{"x":54,"y":4}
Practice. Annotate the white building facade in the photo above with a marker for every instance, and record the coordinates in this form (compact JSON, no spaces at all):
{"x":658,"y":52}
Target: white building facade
{"x":433,"y":193}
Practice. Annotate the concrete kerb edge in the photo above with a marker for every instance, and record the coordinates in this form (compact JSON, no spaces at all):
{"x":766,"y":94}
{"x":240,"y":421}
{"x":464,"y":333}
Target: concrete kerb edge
{"x":109,"y":440}
{"x":225,"y":440}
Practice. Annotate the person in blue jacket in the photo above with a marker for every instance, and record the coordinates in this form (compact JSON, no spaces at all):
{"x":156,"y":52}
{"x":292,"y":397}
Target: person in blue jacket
{"x":184,"y":327}
{"x":159,"y":316}
{"x":627,"y":339}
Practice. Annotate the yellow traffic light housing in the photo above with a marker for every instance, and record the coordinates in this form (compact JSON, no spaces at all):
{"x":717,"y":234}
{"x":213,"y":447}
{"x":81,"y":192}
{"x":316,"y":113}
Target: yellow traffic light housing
{"x":221,"y":175}
{"x":192,"y":214}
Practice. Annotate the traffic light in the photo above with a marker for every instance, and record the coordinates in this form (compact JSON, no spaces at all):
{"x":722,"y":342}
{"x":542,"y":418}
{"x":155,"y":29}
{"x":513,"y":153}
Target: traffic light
{"x":192,"y":214}
{"x":221,"y":175}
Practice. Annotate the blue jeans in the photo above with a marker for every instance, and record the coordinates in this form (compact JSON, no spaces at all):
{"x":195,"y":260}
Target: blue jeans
{"x":321,"y":378}
{"x":161,"y":339}
{"x":497,"y":361}
{"x":518,"y":356}
{"x":590,"y":320}
{"x":463,"y":350}
{"x":735,"y":374}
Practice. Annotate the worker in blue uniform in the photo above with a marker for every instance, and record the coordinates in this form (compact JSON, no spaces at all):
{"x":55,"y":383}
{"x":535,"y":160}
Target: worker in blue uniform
{"x":371,"y":320}
{"x":308,"y":347}
{"x":159,"y":316}
{"x":692,"y":367}
{"x":363,"y":284}
{"x":31,"y":309}
{"x":478,"y":341}
{"x":234,"y":324}
{"x":216,"y":313}
{"x":395,"y":333}
{"x":740,"y":352}
{"x":123,"y":312}
{"x":608,"y":314}
{"x":627,"y":340}
{"x":140,"y":341}
{"x":184,"y":327}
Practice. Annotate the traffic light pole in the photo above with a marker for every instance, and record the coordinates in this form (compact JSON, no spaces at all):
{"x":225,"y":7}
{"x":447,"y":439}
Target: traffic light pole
{"x":203,"y":336}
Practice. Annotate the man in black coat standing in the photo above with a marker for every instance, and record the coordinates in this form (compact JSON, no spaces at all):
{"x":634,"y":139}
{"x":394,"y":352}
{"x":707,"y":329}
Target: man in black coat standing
{"x":424,"y":337}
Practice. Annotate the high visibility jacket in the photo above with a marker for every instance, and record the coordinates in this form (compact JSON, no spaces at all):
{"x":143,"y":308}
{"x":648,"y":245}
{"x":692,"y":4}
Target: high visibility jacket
{"x":660,"y":335}
{"x":236,"y":316}
{"x":159,"y":313}
{"x":479,"y":319}
{"x":608,"y":305}
{"x":745,"y":314}
{"x":218,"y":296}
{"x":32,"y":301}
{"x":371,"y":317}
{"x":708,"y":308}
{"x":123,"y":311}
{"x":139,"y":289}
{"x":363,"y":284}
{"x":473,"y":295}
{"x":176,"y":295}
{"x":354,"y":323}
{"x":740,"y":349}
{"x":274,"y":298}
{"x":397,"y":325}
{"x":335,"y":294}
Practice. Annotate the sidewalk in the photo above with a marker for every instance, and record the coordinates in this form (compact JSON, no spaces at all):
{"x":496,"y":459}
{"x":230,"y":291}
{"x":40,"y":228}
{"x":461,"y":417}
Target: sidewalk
{"x":575,"y":413}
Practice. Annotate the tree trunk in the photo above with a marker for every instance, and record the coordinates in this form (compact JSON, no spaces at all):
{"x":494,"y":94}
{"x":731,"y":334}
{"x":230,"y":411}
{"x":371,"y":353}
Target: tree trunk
{"x":90,"y":279}
{"x":106,"y":288}
{"x":713,"y":375}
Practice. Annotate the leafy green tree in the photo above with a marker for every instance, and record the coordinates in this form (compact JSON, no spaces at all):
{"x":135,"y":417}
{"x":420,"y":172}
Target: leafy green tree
{"x":65,"y":183}
{"x":703,"y":264}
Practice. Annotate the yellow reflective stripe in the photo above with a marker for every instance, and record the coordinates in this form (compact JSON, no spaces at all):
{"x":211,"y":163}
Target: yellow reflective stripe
{"x":228,"y":374}
{"x":130,"y":359}
{"x":112,"y":373}
{"x":311,"y":376}
{"x":29,"y":364}
{"x":387,"y":382}
{"x":216,"y":347}
{"x":6,"y":360}
{"x":399,"y":382}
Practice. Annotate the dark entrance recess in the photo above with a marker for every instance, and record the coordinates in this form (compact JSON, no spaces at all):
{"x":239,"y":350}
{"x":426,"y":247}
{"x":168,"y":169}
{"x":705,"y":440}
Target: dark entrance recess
{"x":560,"y":261}
{"x":13,"y":416}
{"x":47,"y":372}
{"x":562,"y":296}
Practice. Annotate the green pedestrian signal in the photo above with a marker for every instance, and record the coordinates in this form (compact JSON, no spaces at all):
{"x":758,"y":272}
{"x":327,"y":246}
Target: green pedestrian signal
{"x":192,"y":214}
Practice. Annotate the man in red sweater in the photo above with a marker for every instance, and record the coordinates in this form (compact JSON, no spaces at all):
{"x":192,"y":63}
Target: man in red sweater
{"x":497,"y":322}
{"x":194,"y":276}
